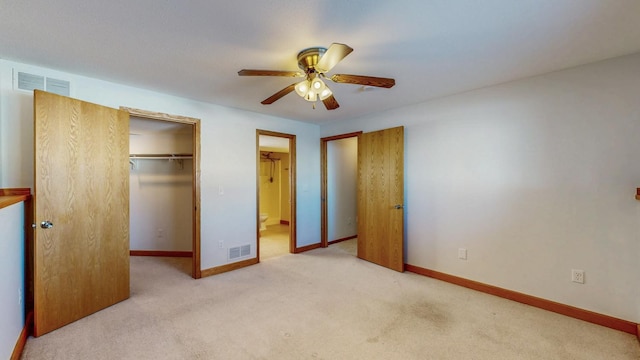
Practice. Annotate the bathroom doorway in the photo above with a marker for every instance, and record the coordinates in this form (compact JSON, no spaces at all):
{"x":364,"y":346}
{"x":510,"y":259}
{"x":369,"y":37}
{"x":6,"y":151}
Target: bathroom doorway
{"x":276,"y":185}
{"x":339,"y":171}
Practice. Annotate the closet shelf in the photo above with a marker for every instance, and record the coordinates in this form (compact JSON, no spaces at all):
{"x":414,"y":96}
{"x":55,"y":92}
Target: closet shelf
{"x":178,"y":158}
{"x":160,"y":156}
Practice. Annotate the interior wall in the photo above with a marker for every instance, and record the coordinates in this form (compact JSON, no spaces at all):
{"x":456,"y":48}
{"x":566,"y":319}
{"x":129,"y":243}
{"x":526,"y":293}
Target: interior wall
{"x":342,"y":186}
{"x":228,"y":163}
{"x":12,"y":276}
{"x":161,"y":216}
{"x":534,"y":178}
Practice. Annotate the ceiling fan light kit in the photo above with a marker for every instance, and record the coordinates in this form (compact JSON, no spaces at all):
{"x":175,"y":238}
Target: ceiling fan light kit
{"x":315,"y":62}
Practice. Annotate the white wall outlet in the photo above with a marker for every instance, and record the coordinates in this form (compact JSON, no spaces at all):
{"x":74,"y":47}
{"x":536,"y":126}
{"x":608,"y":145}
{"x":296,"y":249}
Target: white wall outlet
{"x":220,"y":190}
{"x":221,"y":244}
{"x":160,"y":233}
{"x":462,"y":254}
{"x":577,"y":276}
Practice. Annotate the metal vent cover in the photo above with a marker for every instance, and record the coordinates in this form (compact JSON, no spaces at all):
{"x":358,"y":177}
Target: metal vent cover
{"x":239,"y":251}
{"x":30,"y":82}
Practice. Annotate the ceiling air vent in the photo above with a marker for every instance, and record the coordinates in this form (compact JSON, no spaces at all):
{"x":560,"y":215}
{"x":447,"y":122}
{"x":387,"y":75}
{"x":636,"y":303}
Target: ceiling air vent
{"x":239,"y":251}
{"x":30,"y":82}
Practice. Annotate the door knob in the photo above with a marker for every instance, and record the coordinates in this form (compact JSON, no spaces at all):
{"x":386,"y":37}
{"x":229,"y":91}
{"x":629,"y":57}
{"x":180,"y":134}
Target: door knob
{"x":399,"y":206}
{"x":46,"y":224}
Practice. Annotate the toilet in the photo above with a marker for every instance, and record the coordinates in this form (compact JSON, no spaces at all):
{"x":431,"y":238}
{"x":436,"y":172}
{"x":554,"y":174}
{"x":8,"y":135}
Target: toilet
{"x":263,"y":221}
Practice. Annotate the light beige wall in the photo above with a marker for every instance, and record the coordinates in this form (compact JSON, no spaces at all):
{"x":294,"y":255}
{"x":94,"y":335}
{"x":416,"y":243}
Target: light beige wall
{"x":534,"y":178}
{"x":228,"y":156}
{"x":161,"y":193}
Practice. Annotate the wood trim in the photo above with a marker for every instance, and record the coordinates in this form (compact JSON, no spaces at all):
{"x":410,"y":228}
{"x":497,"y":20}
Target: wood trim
{"x":324,"y":193}
{"x":8,"y":200}
{"x":284,"y":222}
{"x":15,"y":191}
{"x":638,"y":332}
{"x":324,"y":212}
{"x":196,"y":243}
{"x":159,"y":116}
{"x":563,"y":309}
{"x":22,"y":339}
{"x":162,"y":253}
{"x":307,"y":248}
{"x":196,"y":246}
{"x":342,"y":136}
{"x":342,"y":239}
{"x":229,"y":267}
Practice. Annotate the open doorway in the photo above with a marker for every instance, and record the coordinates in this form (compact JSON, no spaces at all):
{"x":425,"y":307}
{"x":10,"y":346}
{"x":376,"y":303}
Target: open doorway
{"x":276,"y":189}
{"x":165,"y":163}
{"x":339,"y":156}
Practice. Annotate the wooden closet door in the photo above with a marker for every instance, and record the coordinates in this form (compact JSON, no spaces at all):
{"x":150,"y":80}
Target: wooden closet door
{"x":81,"y":171}
{"x":381,"y":197}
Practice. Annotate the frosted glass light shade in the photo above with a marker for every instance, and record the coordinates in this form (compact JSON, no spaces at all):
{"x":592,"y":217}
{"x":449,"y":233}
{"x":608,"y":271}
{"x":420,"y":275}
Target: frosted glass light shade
{"x":325,"y":93}
{"x":302,"y":88}
{"x":311,"y":96}
{"x":317,"y":85}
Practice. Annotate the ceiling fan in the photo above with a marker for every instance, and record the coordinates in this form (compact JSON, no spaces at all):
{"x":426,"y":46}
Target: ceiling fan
{"x":315,"y":63}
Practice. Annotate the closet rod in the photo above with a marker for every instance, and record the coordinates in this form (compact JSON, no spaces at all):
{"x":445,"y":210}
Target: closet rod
{"x":160,"y":156}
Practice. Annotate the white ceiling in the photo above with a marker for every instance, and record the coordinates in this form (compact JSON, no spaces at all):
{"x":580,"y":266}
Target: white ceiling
{"x":432,"y":48}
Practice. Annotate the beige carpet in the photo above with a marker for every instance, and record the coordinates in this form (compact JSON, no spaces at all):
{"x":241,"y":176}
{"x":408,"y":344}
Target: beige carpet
{"x":322,"y":304}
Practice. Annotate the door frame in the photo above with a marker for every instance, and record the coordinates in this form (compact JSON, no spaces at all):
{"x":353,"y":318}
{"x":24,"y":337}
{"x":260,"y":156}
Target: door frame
{"x":324,"y":191}
{"x":196,"y":271}
{"x":293,"y":243}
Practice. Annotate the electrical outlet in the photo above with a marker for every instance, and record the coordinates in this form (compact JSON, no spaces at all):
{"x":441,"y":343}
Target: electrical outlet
{"x":462,"y":254}
{"x":221,"y":244}
{"x":577,"y":276}
{"x":160,"y":233}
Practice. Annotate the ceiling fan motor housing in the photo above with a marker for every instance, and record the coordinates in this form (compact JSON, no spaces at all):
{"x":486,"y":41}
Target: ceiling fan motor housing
{"x":308,"y":58}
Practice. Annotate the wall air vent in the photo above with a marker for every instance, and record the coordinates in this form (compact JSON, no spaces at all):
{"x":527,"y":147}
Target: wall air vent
{"x":30,"y":82}
{"x":239,"y":251}
{"x":59,"y":87}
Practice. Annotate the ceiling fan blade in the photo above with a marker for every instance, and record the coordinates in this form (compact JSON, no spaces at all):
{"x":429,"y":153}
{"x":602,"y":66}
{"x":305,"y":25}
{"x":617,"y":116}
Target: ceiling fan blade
{"x":278,"y":95}
{"x":331,"y":103}
{"x":251,"y":72}
{"x":363,"y":80}
{"x":332,"y":56}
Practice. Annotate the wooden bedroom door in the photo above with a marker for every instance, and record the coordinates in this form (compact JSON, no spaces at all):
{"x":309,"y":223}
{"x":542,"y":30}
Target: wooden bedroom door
{"x":381,"y":198}
{"x":81,"y":209}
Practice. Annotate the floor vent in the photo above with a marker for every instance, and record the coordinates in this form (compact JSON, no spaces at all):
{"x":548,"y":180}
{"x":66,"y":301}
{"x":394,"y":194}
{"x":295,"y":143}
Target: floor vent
{"x":30,"y":82}
{"x":239,"y":251}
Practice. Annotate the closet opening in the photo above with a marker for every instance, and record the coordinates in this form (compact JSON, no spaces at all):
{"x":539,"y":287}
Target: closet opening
{"x":339,"y":185}
{"x":164,"y":187}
